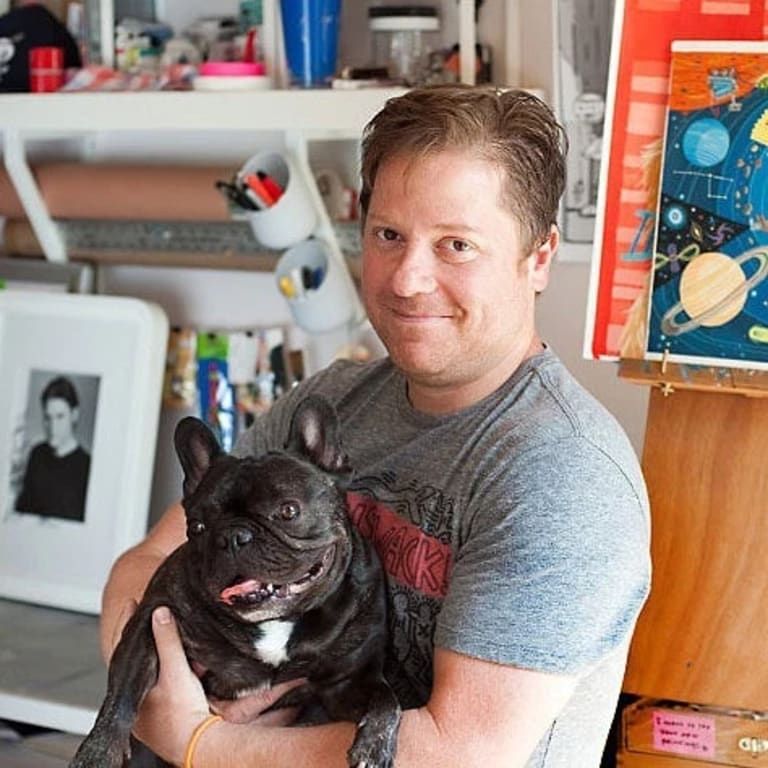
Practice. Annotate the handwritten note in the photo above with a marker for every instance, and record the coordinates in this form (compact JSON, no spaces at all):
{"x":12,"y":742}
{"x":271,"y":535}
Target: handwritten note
{"x":683,"y":733}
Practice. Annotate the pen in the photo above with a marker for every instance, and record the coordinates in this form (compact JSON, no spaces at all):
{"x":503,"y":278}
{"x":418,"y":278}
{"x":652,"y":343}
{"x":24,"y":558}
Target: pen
{"x":270,"y":185}
{"x":257,"y":186}
{"x":286,"y":286}
{"x":236,"y":196}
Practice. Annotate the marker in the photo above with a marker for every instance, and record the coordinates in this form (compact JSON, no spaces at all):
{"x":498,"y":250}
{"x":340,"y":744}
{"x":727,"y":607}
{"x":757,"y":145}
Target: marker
{"x":270,"y":185}
{"x":287,"y":287}
{"x":261,"y":191}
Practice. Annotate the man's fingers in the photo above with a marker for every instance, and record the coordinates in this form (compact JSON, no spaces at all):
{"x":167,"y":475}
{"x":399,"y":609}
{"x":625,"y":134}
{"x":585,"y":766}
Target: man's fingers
{"x":250,"y":708}
{"x":279,"y":718}
{"x":170,"y":651}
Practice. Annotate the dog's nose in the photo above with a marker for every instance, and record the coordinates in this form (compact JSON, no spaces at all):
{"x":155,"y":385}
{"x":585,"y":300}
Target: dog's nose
{"x":236,"y":538}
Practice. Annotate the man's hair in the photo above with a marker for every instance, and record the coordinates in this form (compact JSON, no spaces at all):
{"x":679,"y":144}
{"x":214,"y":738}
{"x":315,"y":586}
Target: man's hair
{"x":510,"y":128}
{"x":62,"y":389}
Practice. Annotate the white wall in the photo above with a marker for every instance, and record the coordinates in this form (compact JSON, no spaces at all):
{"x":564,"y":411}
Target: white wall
{"x":561,"y":313}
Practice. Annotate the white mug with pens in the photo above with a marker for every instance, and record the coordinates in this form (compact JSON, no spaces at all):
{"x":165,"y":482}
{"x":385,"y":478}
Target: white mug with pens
{"x":318,"y":294}
{"x":275,"y":198}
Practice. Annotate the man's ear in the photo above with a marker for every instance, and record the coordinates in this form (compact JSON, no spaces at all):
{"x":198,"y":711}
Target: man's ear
{"x":541,"y":259}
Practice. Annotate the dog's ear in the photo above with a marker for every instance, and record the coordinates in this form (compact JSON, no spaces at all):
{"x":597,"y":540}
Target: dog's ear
{"x":196,"y":447}
{"x":315,"y":433}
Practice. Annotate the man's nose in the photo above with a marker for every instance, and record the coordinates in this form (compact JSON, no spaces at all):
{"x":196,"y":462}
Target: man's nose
{"x":415,"y":272}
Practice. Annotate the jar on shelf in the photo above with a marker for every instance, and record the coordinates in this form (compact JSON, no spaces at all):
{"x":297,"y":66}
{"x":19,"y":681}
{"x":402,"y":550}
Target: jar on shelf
{"x":403,"y":36}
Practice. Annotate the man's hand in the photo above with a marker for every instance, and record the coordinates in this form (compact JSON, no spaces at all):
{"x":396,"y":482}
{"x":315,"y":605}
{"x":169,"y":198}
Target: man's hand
{"x":177,"y":704}
{"x":250,"y":709}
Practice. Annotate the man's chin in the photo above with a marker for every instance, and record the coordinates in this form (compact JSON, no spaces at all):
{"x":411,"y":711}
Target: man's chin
{"x":424,"y":369}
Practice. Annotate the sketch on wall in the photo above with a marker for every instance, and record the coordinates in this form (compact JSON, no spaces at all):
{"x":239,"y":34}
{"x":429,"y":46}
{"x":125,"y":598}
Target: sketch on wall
{"x":583,"y":32}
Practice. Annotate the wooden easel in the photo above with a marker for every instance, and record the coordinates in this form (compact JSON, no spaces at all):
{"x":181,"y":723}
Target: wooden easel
{"x":701,"y":637}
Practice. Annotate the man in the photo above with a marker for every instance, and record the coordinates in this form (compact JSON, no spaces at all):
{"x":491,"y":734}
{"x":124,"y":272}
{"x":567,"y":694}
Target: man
{"x":56,"y":476}
{"x":507,"y":506}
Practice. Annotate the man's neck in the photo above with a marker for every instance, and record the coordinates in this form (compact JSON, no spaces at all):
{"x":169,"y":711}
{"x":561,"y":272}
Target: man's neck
{"x":437,"y":400}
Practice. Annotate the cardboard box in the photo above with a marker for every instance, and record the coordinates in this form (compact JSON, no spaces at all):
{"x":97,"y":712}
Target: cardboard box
{"x":680,"y":734}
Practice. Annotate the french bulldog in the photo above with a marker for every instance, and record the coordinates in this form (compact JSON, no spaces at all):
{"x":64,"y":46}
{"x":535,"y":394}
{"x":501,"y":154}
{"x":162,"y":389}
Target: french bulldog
{"x":273,"y":583}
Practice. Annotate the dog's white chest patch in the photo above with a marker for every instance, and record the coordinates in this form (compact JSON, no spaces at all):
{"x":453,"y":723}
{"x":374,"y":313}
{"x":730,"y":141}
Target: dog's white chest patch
{"x":271,"y":646}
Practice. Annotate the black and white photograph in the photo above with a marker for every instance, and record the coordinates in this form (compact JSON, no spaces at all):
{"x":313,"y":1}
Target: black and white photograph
{"x":81,"y":391}
{"x":52,"y":473}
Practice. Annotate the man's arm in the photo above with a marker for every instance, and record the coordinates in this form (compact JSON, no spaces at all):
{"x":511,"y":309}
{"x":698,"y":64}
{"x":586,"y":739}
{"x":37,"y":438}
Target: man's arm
{"x":480,"y":714}
{"x":131,"y":573}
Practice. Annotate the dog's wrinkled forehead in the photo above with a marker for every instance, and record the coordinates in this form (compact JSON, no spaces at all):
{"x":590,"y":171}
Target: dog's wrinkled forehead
{"x":236,"y":488}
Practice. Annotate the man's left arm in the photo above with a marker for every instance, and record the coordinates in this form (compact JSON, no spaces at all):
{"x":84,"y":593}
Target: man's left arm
{"x":479,"y":714}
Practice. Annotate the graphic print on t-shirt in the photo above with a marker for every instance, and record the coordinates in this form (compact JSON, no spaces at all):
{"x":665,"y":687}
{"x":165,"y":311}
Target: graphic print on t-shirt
{"x":410,"y":527}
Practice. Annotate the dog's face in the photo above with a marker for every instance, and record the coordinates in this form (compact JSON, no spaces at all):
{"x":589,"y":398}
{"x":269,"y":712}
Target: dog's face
{"x":269,"y":536}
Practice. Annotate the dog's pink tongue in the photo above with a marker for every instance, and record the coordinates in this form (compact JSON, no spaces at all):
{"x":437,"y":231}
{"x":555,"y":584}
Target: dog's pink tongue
{"x":244,"y":588}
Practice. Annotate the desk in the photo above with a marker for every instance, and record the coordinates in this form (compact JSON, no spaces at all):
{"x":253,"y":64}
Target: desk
{"x":51,"y":671}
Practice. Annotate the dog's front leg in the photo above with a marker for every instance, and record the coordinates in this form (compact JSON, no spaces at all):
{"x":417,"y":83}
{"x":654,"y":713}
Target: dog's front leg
{"x":373,"y":705}
{"x":132,"y":672}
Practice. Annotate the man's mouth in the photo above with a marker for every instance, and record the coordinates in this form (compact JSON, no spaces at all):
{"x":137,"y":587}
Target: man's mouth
{"x":249,"y":592}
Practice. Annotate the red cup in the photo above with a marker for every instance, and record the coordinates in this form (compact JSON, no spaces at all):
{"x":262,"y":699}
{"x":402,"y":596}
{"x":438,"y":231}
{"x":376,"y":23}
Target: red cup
{"x":46,"y":69}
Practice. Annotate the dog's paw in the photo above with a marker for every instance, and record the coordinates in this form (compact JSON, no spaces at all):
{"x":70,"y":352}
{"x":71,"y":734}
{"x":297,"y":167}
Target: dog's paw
{"x":373,"y":747}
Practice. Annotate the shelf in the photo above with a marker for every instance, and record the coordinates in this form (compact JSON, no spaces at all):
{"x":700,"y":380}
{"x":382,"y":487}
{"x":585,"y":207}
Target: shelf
{"x":236,"y":250}
{"x":316,"y":112}
{"x":51,"y":671}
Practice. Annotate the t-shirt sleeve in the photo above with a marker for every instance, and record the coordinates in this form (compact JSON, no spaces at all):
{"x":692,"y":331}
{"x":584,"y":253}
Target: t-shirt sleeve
{"x":552,"y":566}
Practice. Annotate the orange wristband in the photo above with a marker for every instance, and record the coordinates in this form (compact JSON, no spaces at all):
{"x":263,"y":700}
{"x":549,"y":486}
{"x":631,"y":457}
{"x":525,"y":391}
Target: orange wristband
{"x":196,"y":734}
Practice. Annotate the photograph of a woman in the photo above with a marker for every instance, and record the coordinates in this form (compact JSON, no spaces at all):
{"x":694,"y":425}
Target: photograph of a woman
{"x":55,"y":478}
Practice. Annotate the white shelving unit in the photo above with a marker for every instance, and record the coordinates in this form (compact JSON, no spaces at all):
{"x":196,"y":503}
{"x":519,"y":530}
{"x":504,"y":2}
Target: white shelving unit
{"x":77,"y":123}
{"x":300,"y":115}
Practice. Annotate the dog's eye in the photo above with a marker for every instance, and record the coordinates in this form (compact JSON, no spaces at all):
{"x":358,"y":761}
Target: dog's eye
{"x":195,"y":528}
{"x":289,"y":510}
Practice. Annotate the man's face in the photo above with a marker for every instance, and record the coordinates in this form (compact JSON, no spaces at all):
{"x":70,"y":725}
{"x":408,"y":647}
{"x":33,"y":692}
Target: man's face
{"x":58,"y":418}
{"x":445,"y":281}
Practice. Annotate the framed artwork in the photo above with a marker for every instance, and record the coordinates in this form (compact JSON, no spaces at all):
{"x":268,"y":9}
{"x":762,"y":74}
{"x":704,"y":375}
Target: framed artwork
{"x":636,"y":101}
{"x":82,"y":383}
{"x":582,"y":48}
{"x":708,"y":296}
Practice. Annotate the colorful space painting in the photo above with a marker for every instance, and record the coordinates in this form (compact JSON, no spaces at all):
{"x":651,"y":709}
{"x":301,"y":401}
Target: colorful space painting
{"x":636,"y":102}
{"x":709,"y":295}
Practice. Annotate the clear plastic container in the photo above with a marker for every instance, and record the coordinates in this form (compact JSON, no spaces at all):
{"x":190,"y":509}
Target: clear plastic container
{"x":403,"y":36}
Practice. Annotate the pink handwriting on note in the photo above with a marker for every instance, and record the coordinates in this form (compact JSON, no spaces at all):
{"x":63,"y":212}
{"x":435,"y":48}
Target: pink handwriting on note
{"x":683,"y":733}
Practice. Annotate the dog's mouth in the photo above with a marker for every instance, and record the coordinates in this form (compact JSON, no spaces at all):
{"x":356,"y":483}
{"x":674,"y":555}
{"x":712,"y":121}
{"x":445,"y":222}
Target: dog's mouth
{"x":249,"y":592}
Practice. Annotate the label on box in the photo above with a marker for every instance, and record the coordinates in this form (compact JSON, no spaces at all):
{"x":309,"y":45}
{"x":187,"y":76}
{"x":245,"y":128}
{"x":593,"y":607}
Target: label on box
{"x":684,"y":733}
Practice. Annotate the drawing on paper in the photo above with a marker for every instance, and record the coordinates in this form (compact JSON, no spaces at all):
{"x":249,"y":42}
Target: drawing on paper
{"x":708,"y":293}
{"x":583,"y":48}
{"x":636,"y":101}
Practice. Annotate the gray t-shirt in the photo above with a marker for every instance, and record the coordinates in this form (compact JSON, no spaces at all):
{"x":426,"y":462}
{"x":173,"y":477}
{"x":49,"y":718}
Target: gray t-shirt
{"x":514,"y":531}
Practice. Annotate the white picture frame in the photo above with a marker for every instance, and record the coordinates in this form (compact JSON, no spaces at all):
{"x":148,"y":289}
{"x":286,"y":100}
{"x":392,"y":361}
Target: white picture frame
{"x":112,"y":351}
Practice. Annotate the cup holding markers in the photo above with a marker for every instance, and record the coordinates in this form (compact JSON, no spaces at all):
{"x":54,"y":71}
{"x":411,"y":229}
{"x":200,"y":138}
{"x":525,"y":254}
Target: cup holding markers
{"x":281,"y":211}
{"x":318,"y":292}
{"x":46,"y":68}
